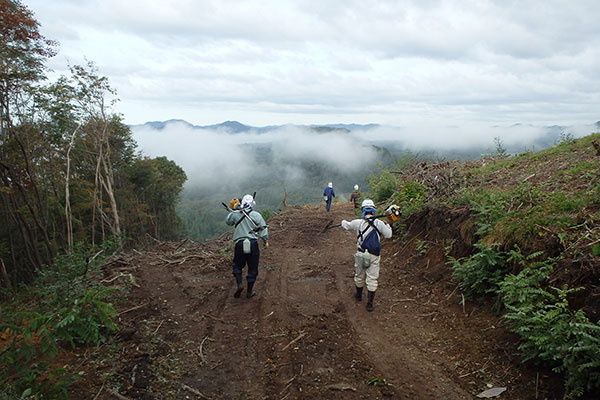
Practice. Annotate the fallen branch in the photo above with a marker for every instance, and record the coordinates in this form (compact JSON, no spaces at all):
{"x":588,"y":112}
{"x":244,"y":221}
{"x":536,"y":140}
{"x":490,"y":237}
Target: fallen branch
{"x":214,"y":318}
{"x":195,"y":391}
{"x":450,"y":295}
{"x":158,"y":327}
{"x":482,"y":369}
{"x":112,"y":279}
{"x":180,"y":244}
{"x":100,"y":391}
{"x":294,"y":341}
{"x":132,"y":308}
{"x":95,"y":255}
{"x":529,"y":177}
{"x":116,"y":394}
{"x":200,"y":351}
{"x":428,"y":314}
{"x":340,"y":386}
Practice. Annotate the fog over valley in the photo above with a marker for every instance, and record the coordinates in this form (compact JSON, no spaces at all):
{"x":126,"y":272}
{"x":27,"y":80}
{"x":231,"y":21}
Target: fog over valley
{"x":296,"y":162}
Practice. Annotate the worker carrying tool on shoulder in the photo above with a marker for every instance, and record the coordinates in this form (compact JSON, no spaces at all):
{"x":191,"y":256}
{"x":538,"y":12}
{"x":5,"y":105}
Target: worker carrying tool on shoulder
{"x":249,"y":227}
{"x":367,"y":257}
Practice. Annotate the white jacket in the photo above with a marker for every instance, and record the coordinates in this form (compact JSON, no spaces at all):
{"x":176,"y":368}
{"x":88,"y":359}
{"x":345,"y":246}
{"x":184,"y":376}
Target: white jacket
{"x":359,"y":225}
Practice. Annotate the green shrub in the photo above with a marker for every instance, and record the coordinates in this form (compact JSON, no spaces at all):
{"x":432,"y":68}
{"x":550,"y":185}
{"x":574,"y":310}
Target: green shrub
{"x":480,"y":273}
{"x":36,"y":337}
{"x":72,"y":307}
{"x":382,"y":186}
{"x":551,"y":332}
{"x":412,"y":196}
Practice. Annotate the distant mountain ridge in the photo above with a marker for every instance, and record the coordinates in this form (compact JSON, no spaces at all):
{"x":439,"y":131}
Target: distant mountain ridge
{"x":238,"y":127}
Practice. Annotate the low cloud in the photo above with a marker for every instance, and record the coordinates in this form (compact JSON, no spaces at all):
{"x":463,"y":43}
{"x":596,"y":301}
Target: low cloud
{"x":213,"y":158}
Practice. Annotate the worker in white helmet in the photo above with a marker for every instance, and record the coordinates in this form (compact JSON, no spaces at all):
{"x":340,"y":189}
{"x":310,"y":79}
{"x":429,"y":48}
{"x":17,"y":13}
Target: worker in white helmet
{"x":355,"y":196}
{"x":367,"y":257}
{"x":249,"y":227}
{"x":328,"y":195}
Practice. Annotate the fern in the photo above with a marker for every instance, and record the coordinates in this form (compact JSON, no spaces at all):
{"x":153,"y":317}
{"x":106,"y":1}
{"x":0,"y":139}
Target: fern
{"x":480,"y":273}
{"x":551,"y":332}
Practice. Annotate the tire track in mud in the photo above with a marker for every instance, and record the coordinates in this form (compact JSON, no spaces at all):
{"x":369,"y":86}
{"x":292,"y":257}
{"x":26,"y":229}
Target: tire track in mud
{"x":302,"y":336}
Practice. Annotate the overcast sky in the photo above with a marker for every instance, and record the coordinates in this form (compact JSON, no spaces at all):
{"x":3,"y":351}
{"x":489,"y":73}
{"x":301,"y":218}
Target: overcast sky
{"x":401,"y":63}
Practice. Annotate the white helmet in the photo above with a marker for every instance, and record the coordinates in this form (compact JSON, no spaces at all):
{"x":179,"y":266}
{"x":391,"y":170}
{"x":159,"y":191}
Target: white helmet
{"x":248,"y":201}
{"x":355,"y":187}
{"x":367,"y":203}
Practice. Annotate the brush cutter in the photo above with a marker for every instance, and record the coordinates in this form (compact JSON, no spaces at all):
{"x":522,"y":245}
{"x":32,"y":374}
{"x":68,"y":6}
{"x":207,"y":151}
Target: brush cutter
{"x":256,"y":227}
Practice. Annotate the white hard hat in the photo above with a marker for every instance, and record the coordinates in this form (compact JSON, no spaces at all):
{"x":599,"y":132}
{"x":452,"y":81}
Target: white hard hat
{"x":330,"y":184}
{"x":355,"y":187}
{"x":367,"y":203}
{"x":248,"y":201}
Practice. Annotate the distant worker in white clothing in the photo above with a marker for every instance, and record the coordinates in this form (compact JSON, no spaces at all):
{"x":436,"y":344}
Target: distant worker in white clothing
{"x":367,"y":256}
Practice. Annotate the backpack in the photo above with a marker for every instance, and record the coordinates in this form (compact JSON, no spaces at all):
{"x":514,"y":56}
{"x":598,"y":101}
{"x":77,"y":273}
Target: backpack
{"x":371,"y":242}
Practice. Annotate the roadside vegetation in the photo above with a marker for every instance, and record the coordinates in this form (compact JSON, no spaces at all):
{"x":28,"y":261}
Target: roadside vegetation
{"x":73,"y":189}
{"x":535,"y":245}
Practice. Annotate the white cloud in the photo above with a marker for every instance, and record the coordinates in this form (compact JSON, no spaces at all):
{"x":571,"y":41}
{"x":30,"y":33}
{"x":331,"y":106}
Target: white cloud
{"x":455,"y":62}
{"x":212,"y":158}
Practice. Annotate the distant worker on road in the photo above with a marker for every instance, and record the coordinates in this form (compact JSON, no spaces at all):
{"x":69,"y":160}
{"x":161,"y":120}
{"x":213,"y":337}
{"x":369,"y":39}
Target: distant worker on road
{"x":367,"y":257}
{"x":355,"y":196}
{"x":328,"y":195}
{"x":249,"y":227}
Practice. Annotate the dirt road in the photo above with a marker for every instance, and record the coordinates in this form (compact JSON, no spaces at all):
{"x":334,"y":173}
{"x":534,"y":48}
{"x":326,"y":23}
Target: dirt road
{"x":303,"y":336}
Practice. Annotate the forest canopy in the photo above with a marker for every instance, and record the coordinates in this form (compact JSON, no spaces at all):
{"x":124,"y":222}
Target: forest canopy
{"x":70,"y":171}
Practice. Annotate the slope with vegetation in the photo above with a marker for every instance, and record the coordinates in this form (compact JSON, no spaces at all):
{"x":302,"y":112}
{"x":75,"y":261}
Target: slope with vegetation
{"x":73,"y":189}
{"x":521,"y":234}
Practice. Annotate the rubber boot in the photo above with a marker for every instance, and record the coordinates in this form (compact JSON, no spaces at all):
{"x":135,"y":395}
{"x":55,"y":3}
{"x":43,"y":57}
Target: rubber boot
{"x":249,"y":292}
{"x":358,"y":294}
{"x":370,"y":301}
{"x":240,"y":288}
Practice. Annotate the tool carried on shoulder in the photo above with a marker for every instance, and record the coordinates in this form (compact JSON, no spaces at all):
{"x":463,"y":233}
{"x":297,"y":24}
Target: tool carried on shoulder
{"x":392,"y":213}
{"x":235,"y":205}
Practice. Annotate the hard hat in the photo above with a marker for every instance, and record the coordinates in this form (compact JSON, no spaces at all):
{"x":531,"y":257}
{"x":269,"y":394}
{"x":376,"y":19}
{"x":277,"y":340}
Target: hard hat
{"x":330,"y":184}
{"x":355,"y":187}
{"x":367,"y":203}
{"x":248,"y":201}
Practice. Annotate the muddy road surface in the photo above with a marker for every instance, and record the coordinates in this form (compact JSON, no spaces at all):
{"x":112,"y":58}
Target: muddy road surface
{"x":303,"y":336}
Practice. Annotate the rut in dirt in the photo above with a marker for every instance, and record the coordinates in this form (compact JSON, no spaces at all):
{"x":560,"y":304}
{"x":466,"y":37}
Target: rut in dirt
{"x":303,"y":335}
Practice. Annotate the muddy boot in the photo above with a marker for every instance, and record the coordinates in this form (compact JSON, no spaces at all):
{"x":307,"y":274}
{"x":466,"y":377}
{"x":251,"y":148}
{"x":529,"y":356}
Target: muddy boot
{"x":358,"y":294}
{"x":240,"y":288}
{"x":370,"y":301}
{"x":249,"y":292}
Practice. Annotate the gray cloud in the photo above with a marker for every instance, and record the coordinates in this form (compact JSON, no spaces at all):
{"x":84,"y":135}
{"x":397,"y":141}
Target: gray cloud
{"x":464,"y":63}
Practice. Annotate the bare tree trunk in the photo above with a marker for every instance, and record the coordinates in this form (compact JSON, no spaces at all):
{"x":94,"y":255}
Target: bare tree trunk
{"x":108,"y":186}
{"x":40,"y":223}
{"x":5,"y":277}
{"x":26,"y":233}
{"x":68,"y":214}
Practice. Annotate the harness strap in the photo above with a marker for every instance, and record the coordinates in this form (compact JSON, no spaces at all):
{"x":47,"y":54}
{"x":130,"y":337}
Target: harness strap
{"x":241,"y":219}
{"x":371,"y":224}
